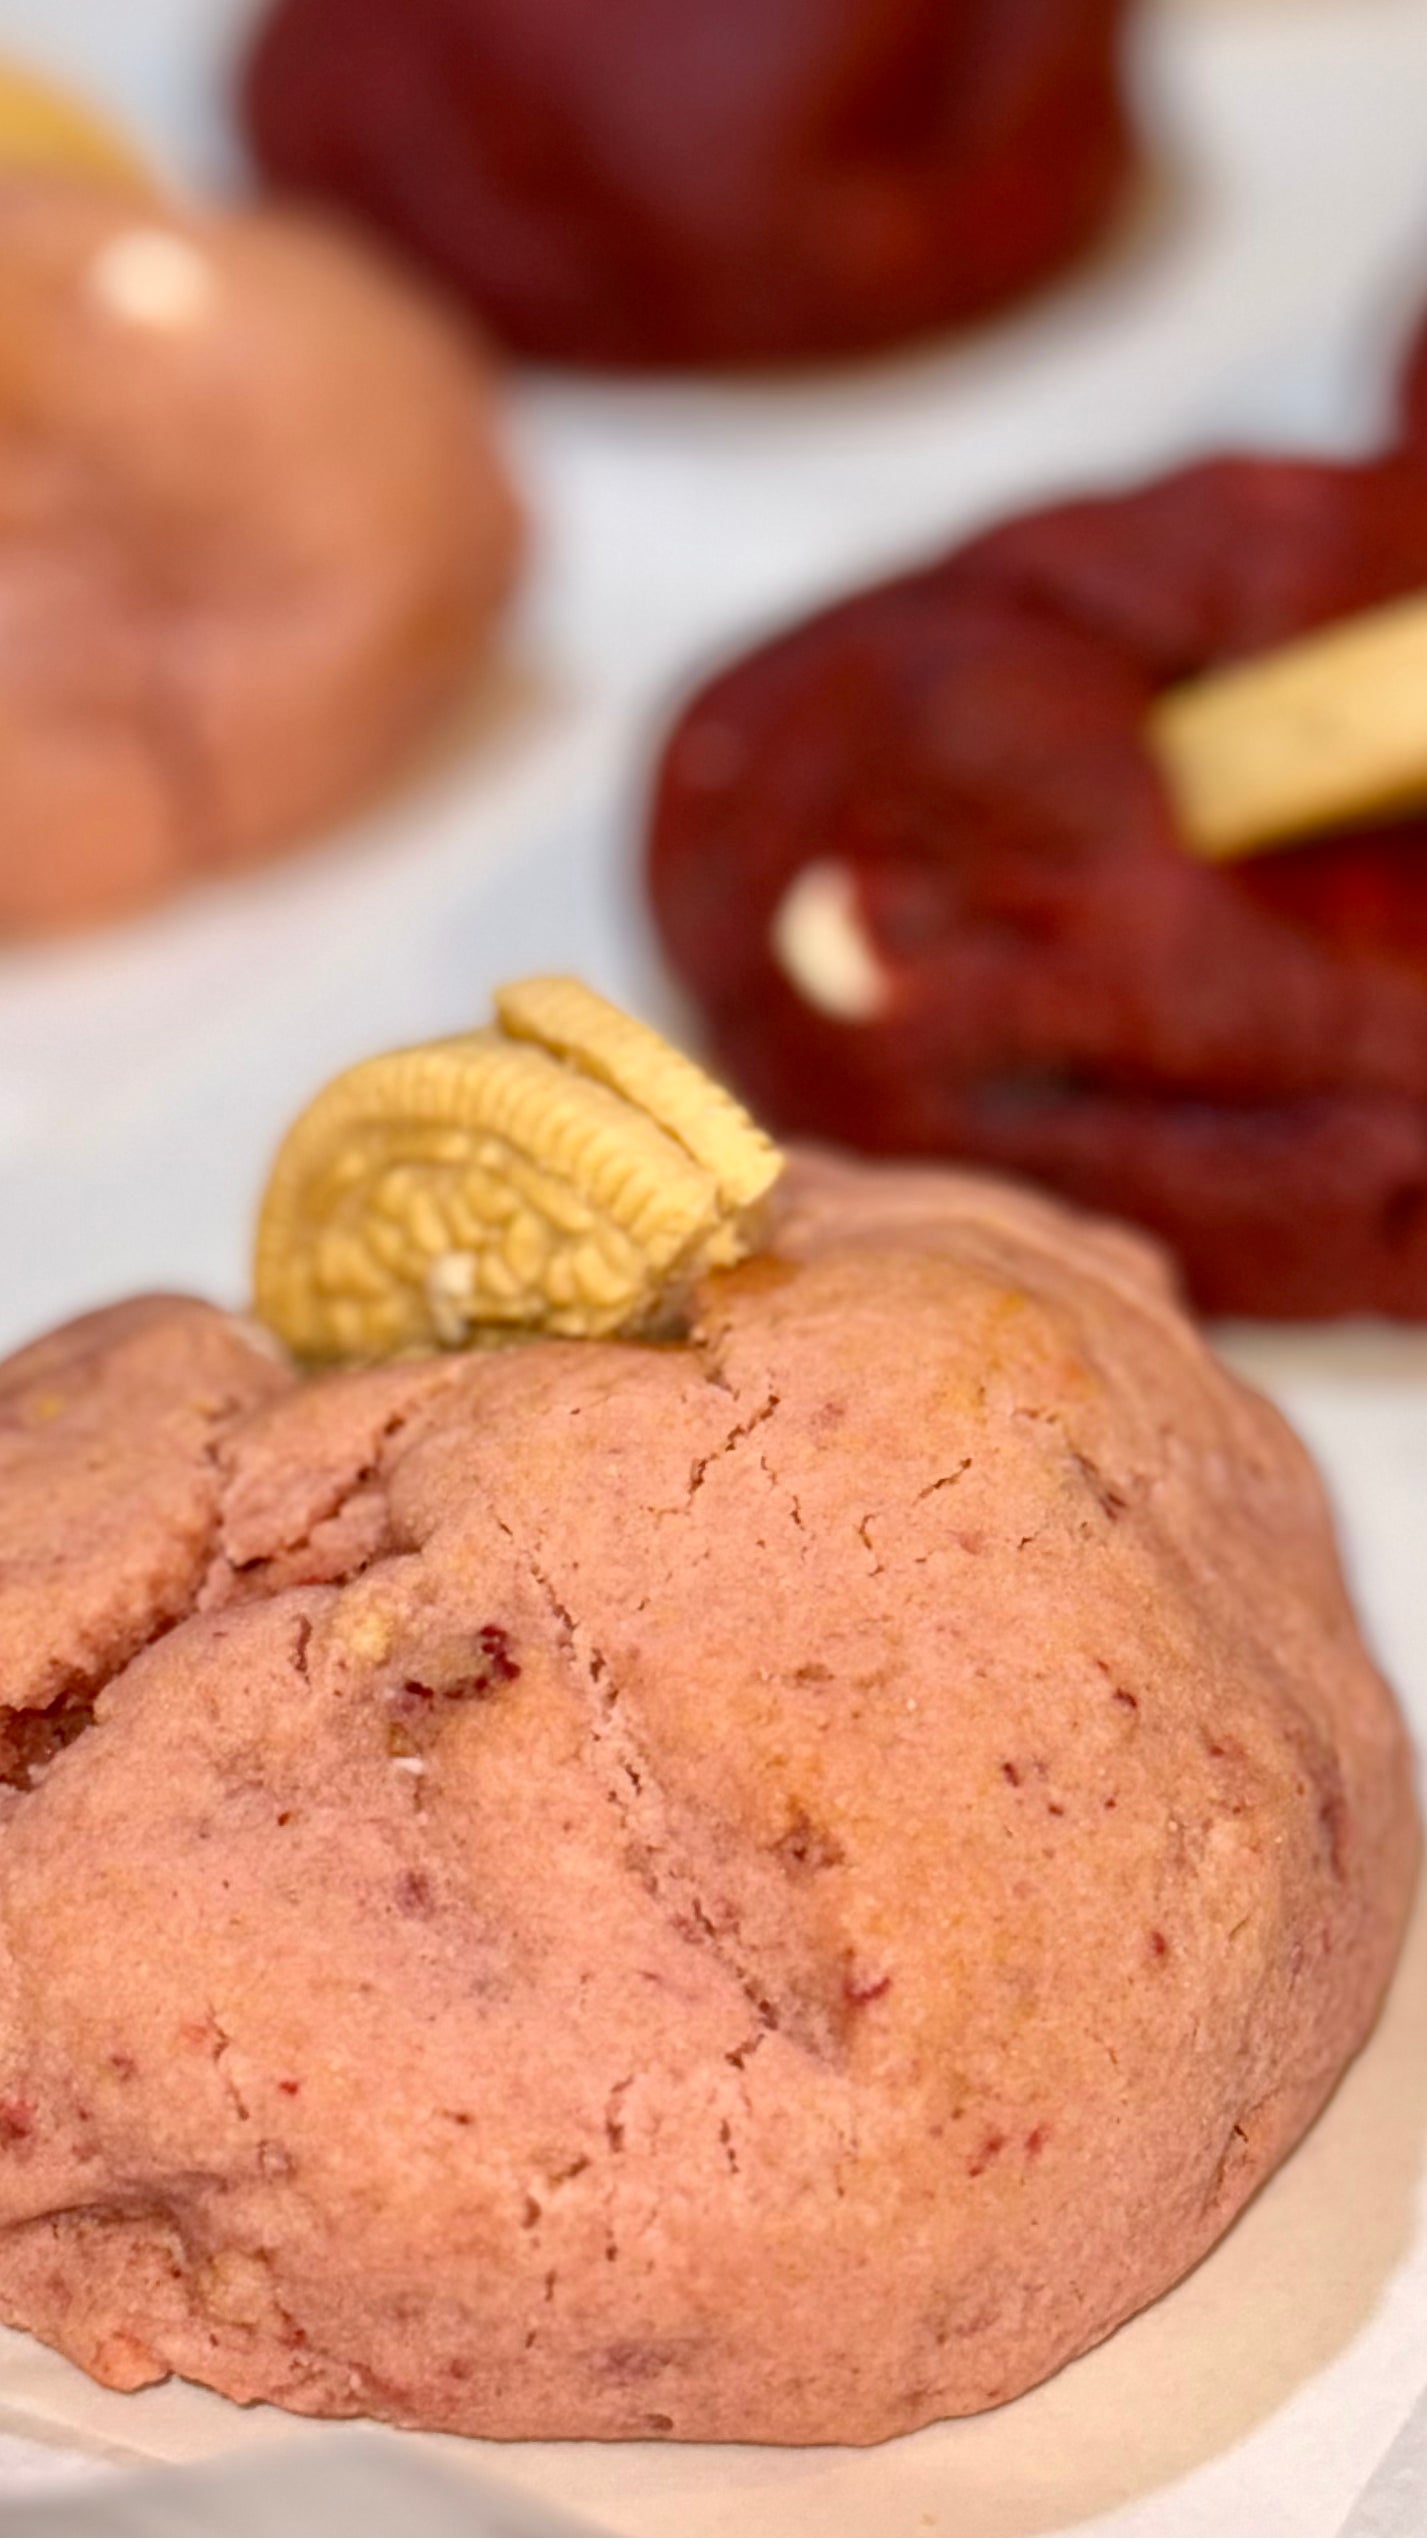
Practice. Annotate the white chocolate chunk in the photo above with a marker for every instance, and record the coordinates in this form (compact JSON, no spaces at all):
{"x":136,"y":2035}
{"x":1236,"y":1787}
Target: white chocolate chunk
{"x":154,"y":277}
{"x":822,"y":948}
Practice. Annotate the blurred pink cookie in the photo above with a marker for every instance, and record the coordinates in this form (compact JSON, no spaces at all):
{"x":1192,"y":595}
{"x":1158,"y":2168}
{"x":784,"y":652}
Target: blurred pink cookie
{"x":256,"y":530}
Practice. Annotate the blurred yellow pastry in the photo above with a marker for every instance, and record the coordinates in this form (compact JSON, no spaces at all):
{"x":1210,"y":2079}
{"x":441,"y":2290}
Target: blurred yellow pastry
{"x":46,"y":130}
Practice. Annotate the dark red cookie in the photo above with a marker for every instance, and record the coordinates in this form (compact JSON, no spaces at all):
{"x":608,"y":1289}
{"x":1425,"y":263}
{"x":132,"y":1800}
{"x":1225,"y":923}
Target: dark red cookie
{"x":661,"y":182}
{"x":1235,"y":1056}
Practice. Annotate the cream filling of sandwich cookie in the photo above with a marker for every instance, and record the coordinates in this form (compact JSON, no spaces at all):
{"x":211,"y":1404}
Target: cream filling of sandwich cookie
{"x":567,"y":1171}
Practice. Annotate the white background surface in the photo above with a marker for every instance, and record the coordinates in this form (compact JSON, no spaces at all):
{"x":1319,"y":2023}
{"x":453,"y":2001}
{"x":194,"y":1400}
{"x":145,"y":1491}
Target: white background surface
{"x":1260,"y":292}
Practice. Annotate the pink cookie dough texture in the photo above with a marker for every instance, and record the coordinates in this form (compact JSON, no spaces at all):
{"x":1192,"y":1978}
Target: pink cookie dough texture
{"x":256,"y":532}
{"x":770,"y":1890}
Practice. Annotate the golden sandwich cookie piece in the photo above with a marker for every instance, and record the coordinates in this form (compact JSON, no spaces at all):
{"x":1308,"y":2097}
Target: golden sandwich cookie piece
{"x":1317,"y":733}
{"x":486,"y":1186}
{"x":573,"y":1023}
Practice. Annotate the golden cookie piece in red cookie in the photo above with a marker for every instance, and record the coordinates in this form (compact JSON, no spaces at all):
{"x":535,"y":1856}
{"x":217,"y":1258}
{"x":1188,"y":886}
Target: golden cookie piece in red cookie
{"x":257,"y":529}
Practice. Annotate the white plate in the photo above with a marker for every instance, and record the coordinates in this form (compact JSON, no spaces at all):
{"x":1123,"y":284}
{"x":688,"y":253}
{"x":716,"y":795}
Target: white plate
{"x":144,"y":1075}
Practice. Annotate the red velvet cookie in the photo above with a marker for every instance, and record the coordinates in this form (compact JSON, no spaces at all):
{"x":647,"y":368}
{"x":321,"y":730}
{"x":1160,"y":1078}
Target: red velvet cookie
{"x":645,"y":184}
{"x":941,"y":788}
